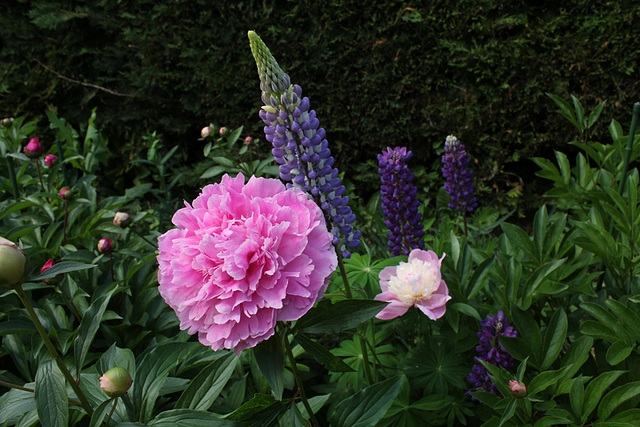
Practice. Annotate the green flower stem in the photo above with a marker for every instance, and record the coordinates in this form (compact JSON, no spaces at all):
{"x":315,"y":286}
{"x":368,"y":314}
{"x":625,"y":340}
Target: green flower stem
{"x":52,"y":350}
{"x":629,"y":148}
{"x":39,"y":176}
{"x":30,"y":390}
{"x":361,"y":340}
{"x":12,"y":177}
{"x":115,"y":403}
{"x":296,"y":375}
{"x":63,"y":167}
{"x":143,"y":238}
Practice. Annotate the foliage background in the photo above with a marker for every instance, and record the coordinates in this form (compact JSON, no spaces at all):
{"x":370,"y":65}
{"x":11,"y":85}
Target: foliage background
{"x":390,"y":73}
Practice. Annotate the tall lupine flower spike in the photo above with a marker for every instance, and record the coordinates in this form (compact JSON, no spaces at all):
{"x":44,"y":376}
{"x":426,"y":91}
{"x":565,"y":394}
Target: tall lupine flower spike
{"x":300,"y":147}
{"x":399,"y":201}
{"x":458,"y":175}
{"x":491,"y":350}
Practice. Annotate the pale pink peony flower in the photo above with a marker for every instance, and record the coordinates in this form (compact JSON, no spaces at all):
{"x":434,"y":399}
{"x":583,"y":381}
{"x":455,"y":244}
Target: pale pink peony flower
{"x":416,"y":282}
{"x":243,"y":257}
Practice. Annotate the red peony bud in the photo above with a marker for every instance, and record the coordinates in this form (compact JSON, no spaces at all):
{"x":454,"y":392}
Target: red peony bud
{"x":248,"y":140}
{"x":50,"y":160}
{"x":47,"y":265}
{"x":115,"y":382}
{"x":12,"y":262}
{"x":33,"y":149}
{"x":66,"y":193}
{"x":105,"y":245}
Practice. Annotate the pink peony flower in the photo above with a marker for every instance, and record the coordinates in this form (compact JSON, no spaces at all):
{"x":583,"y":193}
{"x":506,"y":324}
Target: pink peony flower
{"x":243,"y":257}
{"x":416,"y":282}
{"x":50,"y":160}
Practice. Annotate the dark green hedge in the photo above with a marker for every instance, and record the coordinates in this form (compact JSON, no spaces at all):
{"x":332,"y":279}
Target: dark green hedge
{"x":388,"y":73}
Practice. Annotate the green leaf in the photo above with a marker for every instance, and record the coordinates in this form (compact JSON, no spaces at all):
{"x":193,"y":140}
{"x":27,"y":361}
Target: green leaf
{"x":191,"y":418}
{"x":205,"y":388}
{"x":466,"y":309}
{"x":616,"y":397}
{"x":519,"y":239}
{"x":477,"y":280}
{"x":322,"y":355}
{"x":269,"y":355}
{"x":333,"y":318}
{"x":101,"y":413}
{"x":15,"y":403}
{"x":508,"y":413}
{"x":214,"y":171}
{"x":368,"y":406}
{"x":60,"y":268}
{"x":261,"y":410}
{"x":576,"y":396}
{"x":618,"y":351}
{"x":89,"y":327}
{"x":527,"y":327}
{"x":116,"y":356}
{"x":595,"y":114}
{"x":625,"y":316}
{"x":544,"y":379}
{"x":565,"y":110}
{"x":595,"y":390}
{"x":152,"y":373}
{"x":577,"y":354}
{"x":554,"y":338}
{"x":51,"y":395}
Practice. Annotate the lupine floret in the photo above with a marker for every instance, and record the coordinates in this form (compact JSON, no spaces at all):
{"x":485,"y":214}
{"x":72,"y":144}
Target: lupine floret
{"x":399,"y":201}
{"x":458,"y":176}
{"x":300,"y":147}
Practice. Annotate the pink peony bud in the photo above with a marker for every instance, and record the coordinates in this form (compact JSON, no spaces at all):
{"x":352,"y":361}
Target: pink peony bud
{"x":47,"y":265}
{"x":33,"y":149}
{"x":105,"y":245}
{"x":6,"y":122}
{"x":248,"y":140}
{"x":115,"y":382}
{"x":205,"y":132}
{"x":12,"y":262}
{"x":518,"y":389}
{"x":223,"y":131}
{"x":66,"y":193}
{"x":50,"y":160}
{"x":121,"y":219}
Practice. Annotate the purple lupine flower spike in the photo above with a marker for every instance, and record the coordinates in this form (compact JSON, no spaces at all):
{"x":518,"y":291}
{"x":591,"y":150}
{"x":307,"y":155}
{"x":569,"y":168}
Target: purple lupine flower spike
{"x":300,"y":147}
{"x":458,"y":175}
{"x":491,"y":350}
{"x":399,"y":201}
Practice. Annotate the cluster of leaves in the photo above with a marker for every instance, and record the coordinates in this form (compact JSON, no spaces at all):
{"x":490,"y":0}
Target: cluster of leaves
{"x":382,"y":72}
{"x":569,"y":287}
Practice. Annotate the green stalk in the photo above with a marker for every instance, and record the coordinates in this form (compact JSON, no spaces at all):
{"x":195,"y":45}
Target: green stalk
{"x":296,"y":375}
{"x":62,"y":165}
{"x":52,"y":350}
{"x":115,"y":403}
{"x":12,"y":177}
{"x":361,"y":341}
{"x":629,"y":148}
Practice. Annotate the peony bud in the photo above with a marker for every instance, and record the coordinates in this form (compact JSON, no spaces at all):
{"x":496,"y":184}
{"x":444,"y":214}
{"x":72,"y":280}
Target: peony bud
{"x":248,"y":140}
{"x":33,"y":149}
{"x":223,"y":131}
{"x":121,"y":219}
{"x":6,"y":122}
{"x":115,"y":382}
{"x":66,"y":193}
{"x":50,"y":160}
{"x":47,"y":265}
{"x":105,"y":245}
{"x":518,"y":389}
{"x":205,"y":132}
{"x":12,"y":262}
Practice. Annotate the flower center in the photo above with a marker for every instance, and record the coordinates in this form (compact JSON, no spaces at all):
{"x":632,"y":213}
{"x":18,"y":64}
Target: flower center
{"x":415,"y":280}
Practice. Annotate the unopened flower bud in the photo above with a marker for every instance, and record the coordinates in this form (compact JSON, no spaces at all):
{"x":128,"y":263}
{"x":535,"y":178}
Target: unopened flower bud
{"x":518,"y":389}
{"x":205,"y":132}
{"x":115,"y":382}
{"x":50,"y":160}
{"x":121,"y":219}
{"x":105,"y":245}
{"x":33,"y":149}
{"x":6,"y":122}
{"x":12,"y":262}
{"x":248,"y":140}
{"x":53,"y":280}
{"x":223,"y":131}
{"x":66,"y":193}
